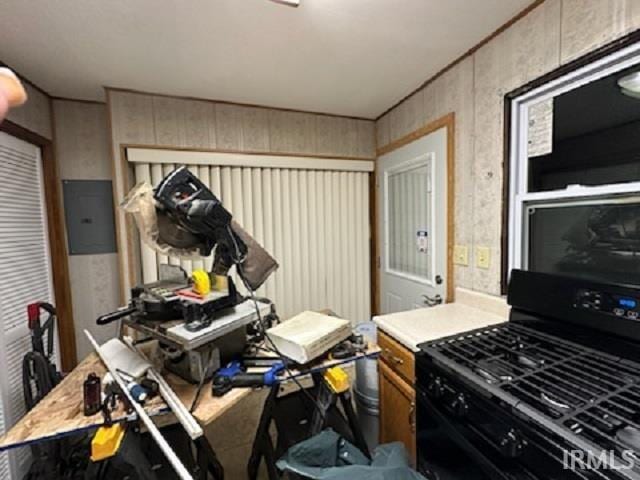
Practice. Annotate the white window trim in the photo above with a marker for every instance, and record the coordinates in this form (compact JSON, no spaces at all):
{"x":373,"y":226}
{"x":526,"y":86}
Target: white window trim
{"x":424,"y":159}
{"x":195,"y":157}
{"x":519,"y":197}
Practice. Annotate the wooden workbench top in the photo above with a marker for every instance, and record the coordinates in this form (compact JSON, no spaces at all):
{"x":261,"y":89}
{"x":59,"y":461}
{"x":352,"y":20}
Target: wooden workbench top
{"x":61,"y":412}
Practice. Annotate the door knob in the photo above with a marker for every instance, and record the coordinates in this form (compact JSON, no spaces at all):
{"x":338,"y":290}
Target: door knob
{"x":432,"y":301}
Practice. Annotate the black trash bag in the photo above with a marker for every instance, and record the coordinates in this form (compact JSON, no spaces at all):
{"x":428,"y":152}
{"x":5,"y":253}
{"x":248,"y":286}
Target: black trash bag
{"x":328,"y":456}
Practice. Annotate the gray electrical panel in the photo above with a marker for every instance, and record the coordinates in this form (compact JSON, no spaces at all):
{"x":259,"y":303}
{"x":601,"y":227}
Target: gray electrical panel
{"x":88,"y":208}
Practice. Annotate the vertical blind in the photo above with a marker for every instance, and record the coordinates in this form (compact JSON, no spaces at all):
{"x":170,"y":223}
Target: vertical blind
{"x":25,"y":277}
{"x":314,"y":222}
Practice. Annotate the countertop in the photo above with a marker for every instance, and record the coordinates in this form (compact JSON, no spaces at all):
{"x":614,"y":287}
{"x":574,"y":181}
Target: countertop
{"x":471,"y":310}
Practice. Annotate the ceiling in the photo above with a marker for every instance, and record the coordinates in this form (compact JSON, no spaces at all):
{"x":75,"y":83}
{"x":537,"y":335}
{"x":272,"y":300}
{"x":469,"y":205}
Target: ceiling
{"x":348,"y":57}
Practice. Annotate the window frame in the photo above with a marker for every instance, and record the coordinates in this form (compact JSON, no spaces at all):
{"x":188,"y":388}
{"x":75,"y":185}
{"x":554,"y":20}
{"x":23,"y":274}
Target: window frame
{"x":518,"y":199}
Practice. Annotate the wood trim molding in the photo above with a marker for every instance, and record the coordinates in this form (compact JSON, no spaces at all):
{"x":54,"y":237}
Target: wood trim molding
{"x":130,"y":225}
{"x":57,"y":241}
{"x":114,"y":185}
{"x":448,"y":122}
{"x":374,"y":248}
{"x":451,"y":204}
{"x":226,"y":102}
{"x":523,"y":13}
{"x":78,"y":100}
{"x":416,"y":134}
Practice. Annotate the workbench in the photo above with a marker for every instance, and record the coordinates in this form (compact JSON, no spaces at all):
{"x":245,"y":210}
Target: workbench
{"x":60,"y":413}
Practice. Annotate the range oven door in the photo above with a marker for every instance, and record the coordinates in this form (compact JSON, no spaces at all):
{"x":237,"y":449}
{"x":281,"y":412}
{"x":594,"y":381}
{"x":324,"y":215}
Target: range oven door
{"x":461,"y":434}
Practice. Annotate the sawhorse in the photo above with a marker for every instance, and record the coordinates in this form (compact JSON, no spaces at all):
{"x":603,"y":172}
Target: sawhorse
{"x":326,"y":398}
{"x":134,"y":452}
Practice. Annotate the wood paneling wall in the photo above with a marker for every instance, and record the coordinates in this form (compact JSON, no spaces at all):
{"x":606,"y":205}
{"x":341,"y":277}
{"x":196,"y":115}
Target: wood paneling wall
{"x":162,"y":121}
{"x":82,"y":153}
{"x":553,"y":33}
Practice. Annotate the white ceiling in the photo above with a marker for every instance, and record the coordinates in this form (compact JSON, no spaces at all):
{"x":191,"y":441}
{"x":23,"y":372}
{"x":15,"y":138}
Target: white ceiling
{"x":349,"y":57}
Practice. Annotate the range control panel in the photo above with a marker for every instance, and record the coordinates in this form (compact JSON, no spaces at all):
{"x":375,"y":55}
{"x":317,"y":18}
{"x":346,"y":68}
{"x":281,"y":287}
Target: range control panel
{"x":605,"y":302}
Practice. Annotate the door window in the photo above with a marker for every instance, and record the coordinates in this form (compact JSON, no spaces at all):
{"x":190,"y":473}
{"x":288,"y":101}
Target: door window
{"x":409,"y":218}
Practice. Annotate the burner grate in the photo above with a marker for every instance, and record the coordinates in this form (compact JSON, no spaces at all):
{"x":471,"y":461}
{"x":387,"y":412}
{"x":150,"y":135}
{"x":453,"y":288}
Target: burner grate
{"x":594,"y":395}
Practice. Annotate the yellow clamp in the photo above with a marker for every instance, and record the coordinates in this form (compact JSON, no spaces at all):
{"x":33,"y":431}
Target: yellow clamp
{"x":201,"y":282}
{"x":337,"y":379}
{"x":106,"y":442}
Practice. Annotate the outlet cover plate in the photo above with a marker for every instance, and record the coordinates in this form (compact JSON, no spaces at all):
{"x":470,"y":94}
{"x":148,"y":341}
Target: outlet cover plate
{"x":483,"y":257}
{"x":461,"y":255}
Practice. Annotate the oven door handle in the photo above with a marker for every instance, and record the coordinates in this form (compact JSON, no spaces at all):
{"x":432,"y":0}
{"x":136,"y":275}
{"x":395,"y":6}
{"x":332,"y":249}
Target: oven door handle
{"x":462,"y":441}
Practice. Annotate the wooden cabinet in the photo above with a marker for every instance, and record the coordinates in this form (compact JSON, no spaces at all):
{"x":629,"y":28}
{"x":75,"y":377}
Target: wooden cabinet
{"x":396,"y":374}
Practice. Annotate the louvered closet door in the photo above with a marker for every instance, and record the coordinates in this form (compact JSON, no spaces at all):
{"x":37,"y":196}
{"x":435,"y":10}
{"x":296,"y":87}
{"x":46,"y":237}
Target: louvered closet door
{"x":25,"y":277}
{"x":314,"y":222}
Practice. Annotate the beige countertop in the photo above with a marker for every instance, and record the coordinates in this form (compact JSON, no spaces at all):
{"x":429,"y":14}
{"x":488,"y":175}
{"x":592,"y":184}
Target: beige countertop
{"x":471,"y":310}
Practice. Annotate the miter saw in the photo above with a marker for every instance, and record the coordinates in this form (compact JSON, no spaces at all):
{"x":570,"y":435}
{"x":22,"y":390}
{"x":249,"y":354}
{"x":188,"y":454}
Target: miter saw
{"x":184,"y":218}
{"x":181,"y":217}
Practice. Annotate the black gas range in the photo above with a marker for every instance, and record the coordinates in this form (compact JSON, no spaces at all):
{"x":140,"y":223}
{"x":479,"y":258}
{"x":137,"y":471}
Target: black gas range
{"x":554,"y":393}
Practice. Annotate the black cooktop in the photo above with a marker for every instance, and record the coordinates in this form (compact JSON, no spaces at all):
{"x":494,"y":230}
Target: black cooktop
{"x":566,"y":362}
{"x":589,"y":394}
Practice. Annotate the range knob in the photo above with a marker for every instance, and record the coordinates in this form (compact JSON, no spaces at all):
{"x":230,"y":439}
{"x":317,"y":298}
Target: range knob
{"x":511,"y":445}
{"x":435,"y":388}
{"x":459,"y":405}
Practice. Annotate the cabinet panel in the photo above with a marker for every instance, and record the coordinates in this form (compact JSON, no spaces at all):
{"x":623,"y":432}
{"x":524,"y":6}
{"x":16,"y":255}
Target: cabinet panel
{"x":397,"y":410}
{"x":398,"y":357}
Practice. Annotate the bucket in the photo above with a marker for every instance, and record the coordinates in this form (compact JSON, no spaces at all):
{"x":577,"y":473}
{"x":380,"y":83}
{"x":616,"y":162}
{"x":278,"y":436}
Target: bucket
{"x":367,"y":369}
{"x":368,"y":412}
{"x":366,"y":389}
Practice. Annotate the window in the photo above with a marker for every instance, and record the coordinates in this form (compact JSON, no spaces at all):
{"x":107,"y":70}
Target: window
{"x":574,"y":186}
{"x":408,"y":204}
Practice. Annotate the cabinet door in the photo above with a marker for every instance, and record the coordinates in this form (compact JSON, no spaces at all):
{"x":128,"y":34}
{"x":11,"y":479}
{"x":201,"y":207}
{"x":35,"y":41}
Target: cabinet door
{"x":397,"y":410}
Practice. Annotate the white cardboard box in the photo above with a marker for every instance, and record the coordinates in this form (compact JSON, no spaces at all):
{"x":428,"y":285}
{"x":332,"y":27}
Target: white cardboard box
{"x":308,"y":335}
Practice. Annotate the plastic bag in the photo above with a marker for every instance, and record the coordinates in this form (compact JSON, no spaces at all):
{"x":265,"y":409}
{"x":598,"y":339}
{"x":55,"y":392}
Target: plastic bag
{"x":328,"y":456}
{"x":140,"y":203}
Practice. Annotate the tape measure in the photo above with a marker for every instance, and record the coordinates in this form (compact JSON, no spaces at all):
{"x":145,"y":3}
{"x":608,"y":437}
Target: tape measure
{"x":201,"y":282}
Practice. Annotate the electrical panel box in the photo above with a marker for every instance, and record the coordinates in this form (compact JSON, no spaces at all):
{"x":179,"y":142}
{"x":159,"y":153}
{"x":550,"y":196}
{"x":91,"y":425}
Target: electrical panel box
{"x":88,"y":208}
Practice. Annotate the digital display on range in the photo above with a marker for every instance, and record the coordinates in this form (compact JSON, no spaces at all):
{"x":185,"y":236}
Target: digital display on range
{"x":612,"y":304}
{"x":627,"y":303}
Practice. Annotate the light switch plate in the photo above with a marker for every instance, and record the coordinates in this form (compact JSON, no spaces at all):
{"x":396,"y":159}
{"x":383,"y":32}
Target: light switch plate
{"x":483,"y":257}
{"x":461,"y":255}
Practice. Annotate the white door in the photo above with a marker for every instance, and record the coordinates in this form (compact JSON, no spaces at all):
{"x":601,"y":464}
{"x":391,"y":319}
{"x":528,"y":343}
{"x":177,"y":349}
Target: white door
{"x":25,"y":277}
{"x":412,"y":194}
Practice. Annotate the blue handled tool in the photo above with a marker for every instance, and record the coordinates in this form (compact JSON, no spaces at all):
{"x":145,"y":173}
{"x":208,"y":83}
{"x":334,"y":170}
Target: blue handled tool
{"x":234,"y":376}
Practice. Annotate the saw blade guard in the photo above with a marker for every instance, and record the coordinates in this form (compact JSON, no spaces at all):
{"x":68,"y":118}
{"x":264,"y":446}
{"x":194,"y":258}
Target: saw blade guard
{"x":140,"y":203}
